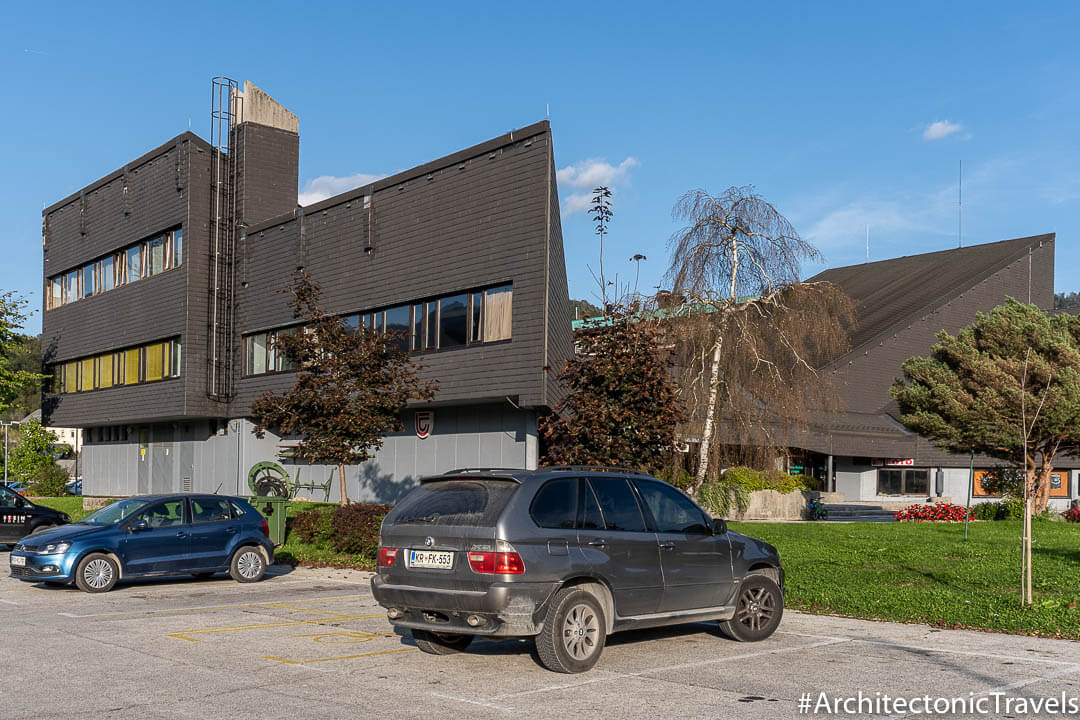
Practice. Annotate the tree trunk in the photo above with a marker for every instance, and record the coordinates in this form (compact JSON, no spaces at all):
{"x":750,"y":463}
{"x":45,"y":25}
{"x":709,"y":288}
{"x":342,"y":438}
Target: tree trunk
{"x":341,"y":477}
{"x":1025,"y":543}
{"x":1042,"y":489}
{"x":710,"y":415}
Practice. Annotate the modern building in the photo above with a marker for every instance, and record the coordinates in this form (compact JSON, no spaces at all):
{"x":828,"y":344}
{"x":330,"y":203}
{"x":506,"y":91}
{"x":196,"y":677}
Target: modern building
{"x":164,"y":285}
{"x":901,"y":304}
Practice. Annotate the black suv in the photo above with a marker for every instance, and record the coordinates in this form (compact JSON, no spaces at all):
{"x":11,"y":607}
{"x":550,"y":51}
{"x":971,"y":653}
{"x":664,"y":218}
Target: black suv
{"x":567,"y":555}
{"x":19,"y":517}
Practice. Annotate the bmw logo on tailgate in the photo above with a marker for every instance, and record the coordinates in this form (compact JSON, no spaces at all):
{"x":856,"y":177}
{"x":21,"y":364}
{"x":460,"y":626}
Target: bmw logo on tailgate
{"x":429,"y":541}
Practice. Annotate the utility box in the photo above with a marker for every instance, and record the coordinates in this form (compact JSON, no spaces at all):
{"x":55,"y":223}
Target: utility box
{"x":274,"y":509}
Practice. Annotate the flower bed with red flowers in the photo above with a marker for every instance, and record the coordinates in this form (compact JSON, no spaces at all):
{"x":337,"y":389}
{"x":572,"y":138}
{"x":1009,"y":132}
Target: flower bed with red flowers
{"x":938,"y":512}
{"x":1072,"y":514}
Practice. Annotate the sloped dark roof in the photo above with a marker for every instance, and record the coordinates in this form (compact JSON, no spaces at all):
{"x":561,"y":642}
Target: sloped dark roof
{"x":889,"y":292}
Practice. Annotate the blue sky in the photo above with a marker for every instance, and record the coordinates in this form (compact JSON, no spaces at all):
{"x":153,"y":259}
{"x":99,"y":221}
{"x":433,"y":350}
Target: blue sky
{"x":843,"y":115}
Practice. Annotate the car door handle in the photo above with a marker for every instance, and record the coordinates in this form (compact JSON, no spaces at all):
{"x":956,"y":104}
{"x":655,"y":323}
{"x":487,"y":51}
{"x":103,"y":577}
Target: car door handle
{"x":598,"y":543}
{"x":667,"y":546}
{"x":181,"y":534}
{"x":230,"y":530}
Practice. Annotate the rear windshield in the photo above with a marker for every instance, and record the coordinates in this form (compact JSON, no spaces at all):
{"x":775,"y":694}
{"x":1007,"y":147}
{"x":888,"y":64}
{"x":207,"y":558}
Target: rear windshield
{"x":475,"y":503}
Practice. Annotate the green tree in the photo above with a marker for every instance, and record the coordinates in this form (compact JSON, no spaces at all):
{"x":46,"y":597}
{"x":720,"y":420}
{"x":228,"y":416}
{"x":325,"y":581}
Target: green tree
{"x":351,"y":386}
{"x":1007,"y":386}
{"x":33,"y":452}
{"x":621,"y":406}
{"x":583,"y":309}
{"x":20,"y":379}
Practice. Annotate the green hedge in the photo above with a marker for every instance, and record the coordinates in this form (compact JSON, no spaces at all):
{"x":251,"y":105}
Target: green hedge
{"x":352,"y":529}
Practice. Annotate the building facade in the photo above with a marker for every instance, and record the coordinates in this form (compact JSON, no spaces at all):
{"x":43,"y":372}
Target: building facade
{"x":901,"y":304}
{"x":164,"y":285}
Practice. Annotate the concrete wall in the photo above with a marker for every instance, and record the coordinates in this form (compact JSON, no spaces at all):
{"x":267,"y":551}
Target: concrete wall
{"x":216,"y":456}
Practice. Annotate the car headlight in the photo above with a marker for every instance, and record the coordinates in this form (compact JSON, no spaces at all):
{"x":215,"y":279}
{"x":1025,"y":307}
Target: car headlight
{"x":54,"y":548}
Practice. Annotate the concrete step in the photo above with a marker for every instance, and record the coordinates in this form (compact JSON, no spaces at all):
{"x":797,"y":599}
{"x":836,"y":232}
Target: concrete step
{"x":850,"y":512}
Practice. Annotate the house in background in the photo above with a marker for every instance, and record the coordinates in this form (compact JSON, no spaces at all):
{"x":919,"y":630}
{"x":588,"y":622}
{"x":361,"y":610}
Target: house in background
{"x":864,"y":451}
{"x":163,"y":293}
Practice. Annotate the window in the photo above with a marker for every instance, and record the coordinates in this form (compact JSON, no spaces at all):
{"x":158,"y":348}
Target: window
{"x":352,"y":323}
{"x":452,"y":319}
{"x":131,"y":367}
{"x":56,"y":292}
{"x":108,"y":276}
{"x":177,"y":248}
{"x":555,"y":505}
{"x":156,"y":359}
{"x":672,"y":512}
{"x":163,"y":514}
{"x":174,"y":366}
{"x":71,"y":377}
{"x":418,"y":327}
{"x":133,"y":263}
{"x":71,"y":286}
{"x":618,"y":504}
{"x":278,"y":359}
{"x":498,"y":313}
{"x":256,"y":354}
{"x":432,"y":323}
{"x":908,"y":481}
{"x":89,"y":279}
{"x":210,"y":510}
{"x":86,"y":374}
{"x":155,"y":260}
{"x":590,"y":517}
{"x":105,"y":371}
{"x":397,"y":323}
{"x":476,"y":327}
{"x":470,"y":503}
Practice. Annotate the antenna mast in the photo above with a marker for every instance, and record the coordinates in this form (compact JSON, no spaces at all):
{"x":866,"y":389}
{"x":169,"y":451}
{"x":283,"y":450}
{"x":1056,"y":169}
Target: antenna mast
{"x":960,"y":208}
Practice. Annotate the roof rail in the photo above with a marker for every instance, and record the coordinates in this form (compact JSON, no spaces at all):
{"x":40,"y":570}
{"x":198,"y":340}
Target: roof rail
{"x":458,"y":471}
{"x":593,"y":468}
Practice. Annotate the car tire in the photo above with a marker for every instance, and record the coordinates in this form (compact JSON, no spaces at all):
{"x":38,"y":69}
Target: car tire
{"x":440,"y":643}
{"x":574,"y":632}
{"x":248,"y":565}
{"x":97,"y":573}
{"x":759,"y":607}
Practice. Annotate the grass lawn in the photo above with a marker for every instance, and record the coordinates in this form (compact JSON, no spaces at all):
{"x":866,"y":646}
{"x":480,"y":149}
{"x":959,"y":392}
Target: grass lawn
{"x":927,"y":573}
{"x":71,"y":504}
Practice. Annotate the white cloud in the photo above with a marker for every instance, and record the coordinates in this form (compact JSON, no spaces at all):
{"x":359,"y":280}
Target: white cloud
{"x":584,"y":176}
{"x":326,"y":186}
{"x":941,"y":129}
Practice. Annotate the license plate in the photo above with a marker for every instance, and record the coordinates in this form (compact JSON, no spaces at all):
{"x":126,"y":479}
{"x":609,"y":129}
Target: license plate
{"x":18,"y":560}
{"x":431,"y":559}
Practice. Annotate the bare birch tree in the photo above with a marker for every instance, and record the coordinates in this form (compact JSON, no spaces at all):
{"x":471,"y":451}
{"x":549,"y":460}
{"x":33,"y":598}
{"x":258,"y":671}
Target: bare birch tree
{"x":750,"y":335}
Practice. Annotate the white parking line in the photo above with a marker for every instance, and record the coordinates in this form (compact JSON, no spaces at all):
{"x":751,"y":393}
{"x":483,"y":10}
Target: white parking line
{"x":8,"y":602}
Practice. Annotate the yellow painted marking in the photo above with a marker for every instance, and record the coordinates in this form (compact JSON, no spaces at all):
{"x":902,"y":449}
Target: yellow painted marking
{"x":345,"y":637}
{"x":221,"y":607}
{"x":183,"y":634}
{"x":332,"y":659}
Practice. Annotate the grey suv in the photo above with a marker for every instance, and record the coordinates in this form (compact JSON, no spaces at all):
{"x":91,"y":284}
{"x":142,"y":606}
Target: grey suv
{"x":567,"y":555}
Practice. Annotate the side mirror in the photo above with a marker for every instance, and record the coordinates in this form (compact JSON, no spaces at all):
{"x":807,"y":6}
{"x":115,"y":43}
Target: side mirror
{"x":719,"y":526}
{"x":139,"y":525}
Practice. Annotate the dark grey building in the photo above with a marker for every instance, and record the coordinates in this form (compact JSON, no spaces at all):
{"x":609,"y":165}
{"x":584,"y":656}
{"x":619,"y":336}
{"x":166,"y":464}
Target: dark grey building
{"x":163,"y":291}
{"x":901,"y":304}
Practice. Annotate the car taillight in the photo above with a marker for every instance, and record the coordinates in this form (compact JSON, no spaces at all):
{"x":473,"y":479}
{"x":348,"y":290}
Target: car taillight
{"x":499,"y":563}
{"x":265,"y":527}
{"x":387,"y":556}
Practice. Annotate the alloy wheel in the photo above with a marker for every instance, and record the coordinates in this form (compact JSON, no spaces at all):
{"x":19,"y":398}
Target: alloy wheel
{"x":98,"y":573}
{"x":757,"y":606}
{"x":580,"y":631}
{"x":249,"y":564}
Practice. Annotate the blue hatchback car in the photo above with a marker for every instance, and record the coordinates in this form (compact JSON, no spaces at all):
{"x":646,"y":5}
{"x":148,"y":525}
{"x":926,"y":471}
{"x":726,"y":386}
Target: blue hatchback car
{"x":149,"y":535}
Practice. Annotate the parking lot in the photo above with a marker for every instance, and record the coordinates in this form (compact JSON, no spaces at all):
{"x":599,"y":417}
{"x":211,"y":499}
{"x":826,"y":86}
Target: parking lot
{"x":312,"y":643}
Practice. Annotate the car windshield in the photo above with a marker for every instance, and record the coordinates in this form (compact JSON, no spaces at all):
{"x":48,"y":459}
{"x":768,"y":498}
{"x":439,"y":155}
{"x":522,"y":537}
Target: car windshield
{"x":115,"y":513}
{"x":8,"y":495}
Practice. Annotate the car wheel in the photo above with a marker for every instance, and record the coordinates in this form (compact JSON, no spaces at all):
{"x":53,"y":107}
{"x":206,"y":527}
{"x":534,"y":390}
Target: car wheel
{"x":202,"y":575}
{"x":97,"y":573}
{"x":440,"y":643}
{"x":247,"y":565}
{"x":758,"y":610}
{"x":574,"y":632}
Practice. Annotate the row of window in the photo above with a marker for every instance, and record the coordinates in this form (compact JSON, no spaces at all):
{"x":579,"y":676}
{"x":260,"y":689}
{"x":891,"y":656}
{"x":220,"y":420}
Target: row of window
{"x":143,"y":364}
{"x":468,"y":318}
{"x":144,"y":259}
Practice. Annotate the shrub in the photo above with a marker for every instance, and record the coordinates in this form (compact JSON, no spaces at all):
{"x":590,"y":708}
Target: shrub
{"x":721,"y":496}
{"x":680,"y":477}
{"x":355,"y":528}
{"x":313,"y":526}
{"x":48,"y":481}
{"x":938,"y":512}
{"x":1013,"y":508}
{"x":1005,"y":481}
{"x":1072,"y":514}
{"x":989,"y":511}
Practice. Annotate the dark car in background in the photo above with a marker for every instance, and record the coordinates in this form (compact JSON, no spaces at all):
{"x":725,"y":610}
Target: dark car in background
{"x":149,"y":535}
{"x":567,"y":555}
{"x":20,"y":517}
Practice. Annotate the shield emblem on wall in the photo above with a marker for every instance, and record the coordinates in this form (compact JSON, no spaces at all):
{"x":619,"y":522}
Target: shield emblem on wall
{"x":425,"y":423}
